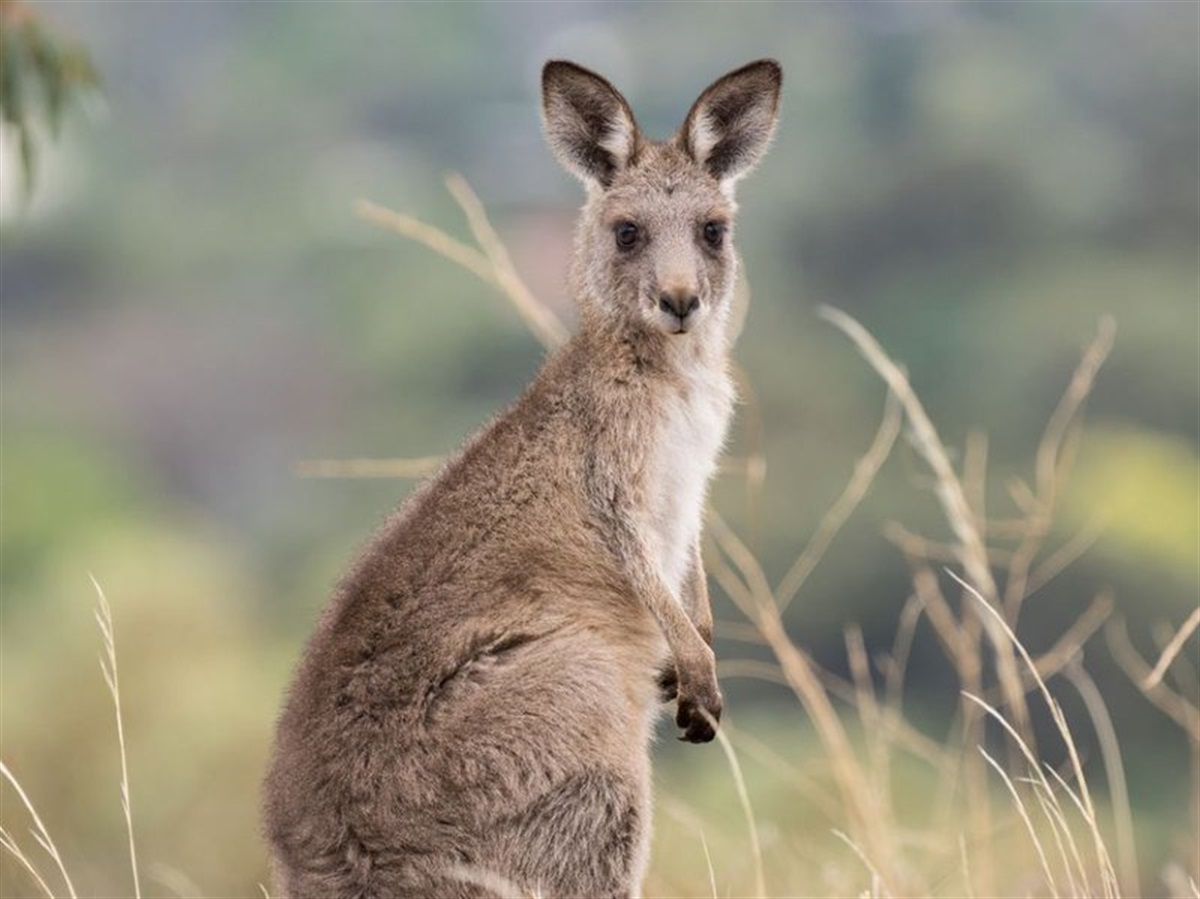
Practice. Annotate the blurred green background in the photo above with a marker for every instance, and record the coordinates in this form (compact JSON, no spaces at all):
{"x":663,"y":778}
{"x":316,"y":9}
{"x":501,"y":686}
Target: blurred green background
{"x":190,"y":307}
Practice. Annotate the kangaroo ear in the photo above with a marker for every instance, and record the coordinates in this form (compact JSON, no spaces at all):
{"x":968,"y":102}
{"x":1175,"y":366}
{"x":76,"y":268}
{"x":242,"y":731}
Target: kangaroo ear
{"x":589,"y":125}
{"x":728,"y":129}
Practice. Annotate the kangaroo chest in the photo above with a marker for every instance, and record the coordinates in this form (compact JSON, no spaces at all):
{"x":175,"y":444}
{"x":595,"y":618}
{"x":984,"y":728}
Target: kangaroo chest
{"x":682,"y":460}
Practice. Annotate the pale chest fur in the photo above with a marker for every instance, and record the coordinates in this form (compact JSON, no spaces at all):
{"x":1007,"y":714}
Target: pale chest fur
{"x":682,"y":460}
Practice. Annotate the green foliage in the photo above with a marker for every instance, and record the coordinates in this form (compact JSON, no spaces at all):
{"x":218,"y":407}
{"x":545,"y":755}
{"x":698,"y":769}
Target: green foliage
{"x":40,"y":72}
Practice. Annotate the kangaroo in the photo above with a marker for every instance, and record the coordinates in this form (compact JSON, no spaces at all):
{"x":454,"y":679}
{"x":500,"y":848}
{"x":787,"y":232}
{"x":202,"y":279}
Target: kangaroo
{"x":473,"y":715}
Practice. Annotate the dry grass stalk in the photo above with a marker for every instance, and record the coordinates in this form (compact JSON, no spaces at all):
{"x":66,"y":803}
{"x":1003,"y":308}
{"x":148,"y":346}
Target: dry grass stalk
{"x":760,"y":883}
{"x":860,"y":482}
{"x":1038,"y":780}
{"x":434,"y":238}
{"x":1066,"y":649}
{"x":895,"y":664}
{"x":1114,"y":773}
{"x":812,"y":792}
{"x":1172,"y":650}
{"x":545,"y":325}
{"x":1181,"y":671}
{"x":1020,"y":806}
{"x":871,"y":715}
{"x":1072,"y":863}
{"x":40,"y":834}
{"x":916,"y":546}
{"x":490,"y":263}
{"x":1084,"y":799}
{"x":1184,"y":712}
{"x":877,"y":882}
{"x":712,"y":875}
{"x":972,"y":553}
{"x":750,"y":590}
{"x":10,"y":845}
{"x":1063,"y":557}
{"x":1051,"y":464}
{"x":108,"y":666}
{"x":966,"y":867}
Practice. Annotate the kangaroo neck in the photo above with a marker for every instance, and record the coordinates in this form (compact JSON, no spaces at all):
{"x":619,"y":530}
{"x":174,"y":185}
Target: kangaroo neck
{"x":640,"y":351}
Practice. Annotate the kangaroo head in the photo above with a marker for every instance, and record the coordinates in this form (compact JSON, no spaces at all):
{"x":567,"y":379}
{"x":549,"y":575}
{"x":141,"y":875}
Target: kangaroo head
{"x":654,"y":245}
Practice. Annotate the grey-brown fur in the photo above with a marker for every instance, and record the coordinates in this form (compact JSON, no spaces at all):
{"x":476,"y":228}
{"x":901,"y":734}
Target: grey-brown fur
{"x":472,"y":716}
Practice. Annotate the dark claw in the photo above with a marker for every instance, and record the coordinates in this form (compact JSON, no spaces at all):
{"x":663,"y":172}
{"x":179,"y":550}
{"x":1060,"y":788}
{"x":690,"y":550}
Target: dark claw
{"x":698,"y":717}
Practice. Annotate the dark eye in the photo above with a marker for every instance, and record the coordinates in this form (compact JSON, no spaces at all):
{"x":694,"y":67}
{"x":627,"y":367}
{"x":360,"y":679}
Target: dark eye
{"x":714,"y":233}
{"x":626,"y":234}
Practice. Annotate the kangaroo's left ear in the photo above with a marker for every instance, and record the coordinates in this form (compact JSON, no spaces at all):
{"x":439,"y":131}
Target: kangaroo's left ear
{"x":729,"y":128}
{"x":590,"y":127}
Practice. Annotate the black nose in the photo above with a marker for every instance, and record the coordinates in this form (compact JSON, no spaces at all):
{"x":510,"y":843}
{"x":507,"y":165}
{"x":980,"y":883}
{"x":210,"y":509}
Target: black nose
{"x":679,"y":305}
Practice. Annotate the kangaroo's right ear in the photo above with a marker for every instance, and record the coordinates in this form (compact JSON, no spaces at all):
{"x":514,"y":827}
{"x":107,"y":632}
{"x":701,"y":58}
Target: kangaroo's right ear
{"x":728,"y":129}
{"x":589,"y":125}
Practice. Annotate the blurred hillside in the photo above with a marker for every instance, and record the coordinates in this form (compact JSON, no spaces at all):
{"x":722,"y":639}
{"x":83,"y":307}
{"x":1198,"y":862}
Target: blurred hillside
{"x":190,"y":307}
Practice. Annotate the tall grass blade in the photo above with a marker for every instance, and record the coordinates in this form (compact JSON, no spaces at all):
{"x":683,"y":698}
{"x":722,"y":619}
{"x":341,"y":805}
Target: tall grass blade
{"x":109,"y":667}
{"x":1114,"y":771}
{"x":1108,"y":873}
{"x":1033,"y":837}
{"x":760,"y":883}
{"x":43,"y":835}
{"x":10,"y":845}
